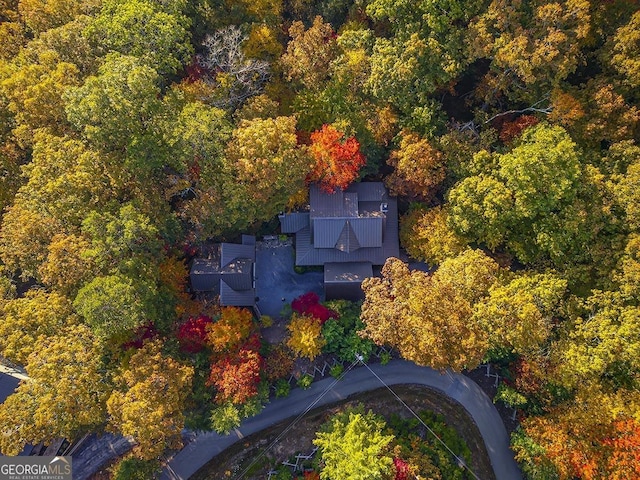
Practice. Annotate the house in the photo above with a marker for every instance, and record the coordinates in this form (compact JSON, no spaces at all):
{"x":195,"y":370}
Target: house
{"x":347,"y":232}
{"x":228,"y":270}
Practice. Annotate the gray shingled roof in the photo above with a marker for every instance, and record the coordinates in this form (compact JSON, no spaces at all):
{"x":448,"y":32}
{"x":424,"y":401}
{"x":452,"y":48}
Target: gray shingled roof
{"x":234,"y":298}
{"x":335,"y":234}
{"x":227,"y":272}
{"x":293,"y":222}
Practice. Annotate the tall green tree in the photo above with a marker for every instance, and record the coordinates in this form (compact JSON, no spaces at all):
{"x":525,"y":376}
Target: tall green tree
{"x":118,"y":111}
{"x":155,"y":32}
{"x":529,"y":202}
{"x":114,"y":306}
{"x":425,"y":51}
{"x":353,"y":445}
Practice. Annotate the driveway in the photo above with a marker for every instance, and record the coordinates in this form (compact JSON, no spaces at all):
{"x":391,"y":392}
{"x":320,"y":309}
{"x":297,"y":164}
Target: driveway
{"x":276,"y":280}
{"x":458,"y":387}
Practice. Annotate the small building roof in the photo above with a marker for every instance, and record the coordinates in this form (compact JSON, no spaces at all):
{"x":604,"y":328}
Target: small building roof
{"x":228,"y":272}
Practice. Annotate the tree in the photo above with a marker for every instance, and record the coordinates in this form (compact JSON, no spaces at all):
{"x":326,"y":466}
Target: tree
{"x":629,"y":272}
{"x":117,"y":111}
{"x":66,"y":268}
{"x":429,"y":319}
{"x":529,"y":202}
{"x":519,"y":315}
{"x":119,"y":241}
{"x":65,"y":395}
{"x":626,"y":192}
{"x":229,"y":331}
{"x":192,"y":334}
{"x":269,"y":165}
{"x":582,"y":437}
{"x":605,"y":336}
{"x":529,"y":44}
{"x":418,"y":168}
{"x":149,"y":400}
{"x":236,"y":375}
{"x":34,"y":89}
{"x":26,"y":320}
{"x":427,"y":236}
{"x":42,"y":15}
{"x":25,"y":234}
{"x":337,"y":160}
{"x":310,"y":53}
{"x":352,"y":445}
{"x":424,"y":52}
{"x":155,"y":32}
{"x":306,"y":336}
{"x":234,"y":77}
{"x":114,"y":306}
{"x":626,"y":49}
{"x":65,"y":179}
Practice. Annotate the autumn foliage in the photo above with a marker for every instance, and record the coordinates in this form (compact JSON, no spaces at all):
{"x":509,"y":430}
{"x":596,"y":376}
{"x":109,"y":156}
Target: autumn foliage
{"x":306,"y":336}
{"x":309,"y":305}
{"x":337,"y":160}
{"x":236,"y":375}
{"x":232,"y":328}
{"x":279,"y":363}
{"x":402,"y":469}
{"x":511,"y":130}
{"x":192,"y":334}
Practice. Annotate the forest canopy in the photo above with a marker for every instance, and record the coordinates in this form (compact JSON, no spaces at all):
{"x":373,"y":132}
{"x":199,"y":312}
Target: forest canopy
{"x":132,"y":132}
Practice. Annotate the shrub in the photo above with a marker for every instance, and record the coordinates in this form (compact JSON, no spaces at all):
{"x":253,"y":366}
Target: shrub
{"x":283,"y":388}
{"x":132,"y":468}
{"x":336,"y":370}
{"x":305,"y":381}
{"x":385,"y":358}
{"x":279,"y":363}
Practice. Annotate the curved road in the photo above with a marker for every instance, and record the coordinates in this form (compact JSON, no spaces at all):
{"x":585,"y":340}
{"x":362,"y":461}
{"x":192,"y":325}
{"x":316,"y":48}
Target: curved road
{"x":462,"y":389}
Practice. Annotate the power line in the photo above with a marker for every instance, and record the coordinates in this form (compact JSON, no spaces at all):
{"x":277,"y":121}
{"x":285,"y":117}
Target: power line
{"x":296,"y":420}
{"x":460,"y":460}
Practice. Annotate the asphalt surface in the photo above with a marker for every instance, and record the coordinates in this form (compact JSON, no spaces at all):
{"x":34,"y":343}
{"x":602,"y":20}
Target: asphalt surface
{"x":276,"y":280}
{"x":462,"y":389}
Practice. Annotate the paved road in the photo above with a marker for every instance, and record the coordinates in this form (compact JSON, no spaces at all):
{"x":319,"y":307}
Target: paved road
{"x":460,"y":388}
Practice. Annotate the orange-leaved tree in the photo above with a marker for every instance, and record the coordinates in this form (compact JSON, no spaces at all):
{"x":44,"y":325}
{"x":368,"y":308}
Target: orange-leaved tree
{"x":236,"y":375}
{"x":337,"y":159}
{"x":231,"y":329}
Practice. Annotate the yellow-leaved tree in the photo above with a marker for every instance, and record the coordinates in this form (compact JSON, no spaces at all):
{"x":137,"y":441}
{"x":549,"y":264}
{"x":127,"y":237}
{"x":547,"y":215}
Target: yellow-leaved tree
{"x":149,"y":400}
{"x":64,"y":395}
{"x":37,"y":315}
{"x":428,"y":318}
{"x":306,"y":336}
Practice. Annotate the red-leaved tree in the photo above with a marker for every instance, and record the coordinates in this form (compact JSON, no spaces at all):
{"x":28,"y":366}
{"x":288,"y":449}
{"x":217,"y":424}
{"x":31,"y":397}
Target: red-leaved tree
{"x":402,"y":469}
{"x":337,"y":160}
{"x":309,"y":305}
{"x":192,"y":334}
